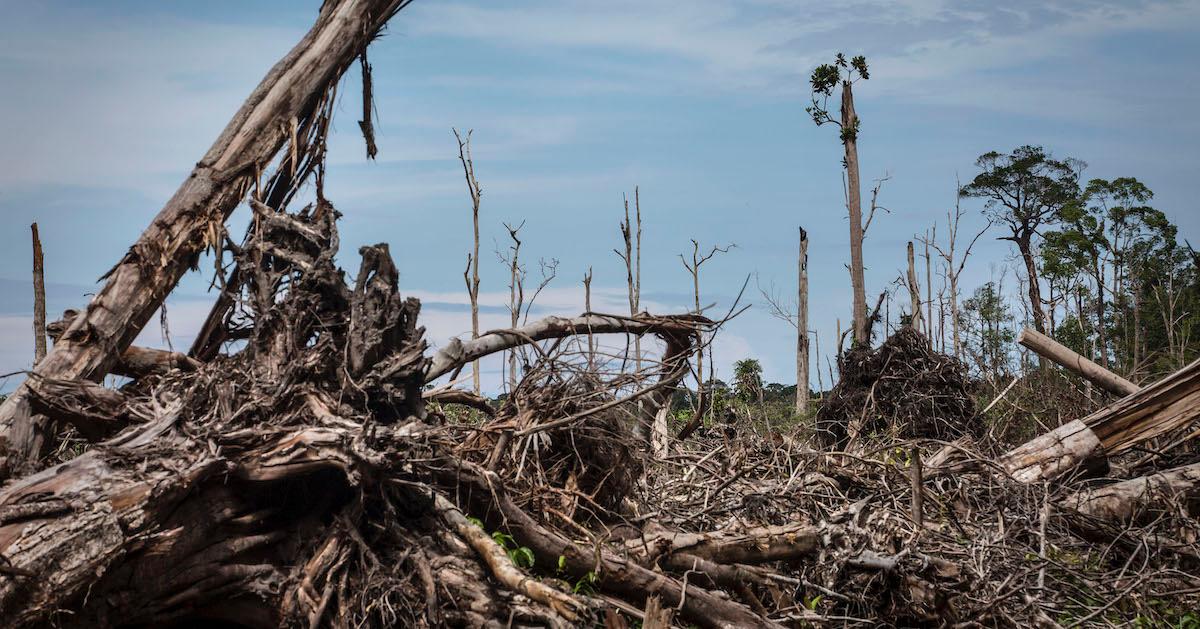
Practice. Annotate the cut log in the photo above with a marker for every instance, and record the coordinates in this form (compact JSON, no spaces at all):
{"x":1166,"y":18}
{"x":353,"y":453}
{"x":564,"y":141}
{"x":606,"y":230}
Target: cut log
{"x":138,"y":284}
{"x":1161,"y":407}
{"x":1140,"y":499}
{"x":1169,"y":404}
{"x":1047,"y":347}
{"x":1072,"y":446}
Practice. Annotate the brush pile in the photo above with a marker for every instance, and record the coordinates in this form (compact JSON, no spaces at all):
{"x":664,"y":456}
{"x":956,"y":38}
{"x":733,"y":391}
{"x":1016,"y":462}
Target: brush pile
{"x":295,"y":469}
{"x":902,"y":389}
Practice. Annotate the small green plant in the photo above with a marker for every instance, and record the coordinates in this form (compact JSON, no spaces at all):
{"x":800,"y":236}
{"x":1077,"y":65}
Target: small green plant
{"x":586,"y":584}
{"x":521,"y":556}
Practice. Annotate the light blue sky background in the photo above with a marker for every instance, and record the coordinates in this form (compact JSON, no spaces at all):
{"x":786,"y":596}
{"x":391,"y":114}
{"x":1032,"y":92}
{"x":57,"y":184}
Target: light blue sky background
{"x":107,"y":105}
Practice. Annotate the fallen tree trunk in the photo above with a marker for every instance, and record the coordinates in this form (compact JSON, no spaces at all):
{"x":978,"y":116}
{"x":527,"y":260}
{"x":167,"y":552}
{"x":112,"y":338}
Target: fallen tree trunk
{"x":458,"y":353}
{"x":635,"y":582}
{"x":1154,"y":410}
{"x":194,"y":217}
{"x":1062,"y":355}
{"x":1069,"y":447}
{"x":135,"y":362}
{"x":1139,"y":499}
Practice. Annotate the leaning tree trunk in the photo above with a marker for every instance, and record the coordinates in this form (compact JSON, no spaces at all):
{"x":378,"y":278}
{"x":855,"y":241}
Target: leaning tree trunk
{"x":194,"y":217}
{"x":1062,"y":355}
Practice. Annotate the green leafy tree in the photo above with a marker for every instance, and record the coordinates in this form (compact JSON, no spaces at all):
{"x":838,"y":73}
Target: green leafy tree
{"x":1110,"y":234}
{"x":988,"y":322}
{"x":747,"y":380}
{"x":1025,"y":191}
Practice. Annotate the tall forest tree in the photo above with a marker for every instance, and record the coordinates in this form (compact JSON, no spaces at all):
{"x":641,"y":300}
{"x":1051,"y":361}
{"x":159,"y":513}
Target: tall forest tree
{"x":1107,"y":237}
{"x":1025,"y":191}
{"x":825,"y":79}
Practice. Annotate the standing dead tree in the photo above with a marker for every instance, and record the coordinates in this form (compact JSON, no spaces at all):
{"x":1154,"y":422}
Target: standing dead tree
{"x":914,"y":291}
{"x":797,"y":317}
{"x":693,"y":269}
{"x":953,"y":266}
{"x":587,"y":308}
{"x":518,"y":306}
{"x":471,"y":274}
{"x":39,"y":299}
{"x":824,"y":79}
{"x":631,"y":235}
{"x":802,"y":360}
{"x":294,"y":90}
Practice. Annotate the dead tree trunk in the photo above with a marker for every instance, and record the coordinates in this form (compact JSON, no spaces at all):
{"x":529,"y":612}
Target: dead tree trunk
{"x":1157,"y":409}
{"x":1139,"y":499}
{"x":1047,"y":347}
{"x":136,"y":286}
{"x":802,"y":360}
{"x":914,"y":291}
{"x":472,"y":281}
{"x":39,"y":299}
{"x":854,"y":206}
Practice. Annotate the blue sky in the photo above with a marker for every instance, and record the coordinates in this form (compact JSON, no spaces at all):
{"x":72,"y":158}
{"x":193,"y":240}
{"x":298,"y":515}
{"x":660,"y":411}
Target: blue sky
{"x":573,"y":104}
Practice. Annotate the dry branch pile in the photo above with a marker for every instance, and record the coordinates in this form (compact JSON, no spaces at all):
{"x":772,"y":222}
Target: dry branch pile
{"x":903,"y":389}
{"x":295,"y":468}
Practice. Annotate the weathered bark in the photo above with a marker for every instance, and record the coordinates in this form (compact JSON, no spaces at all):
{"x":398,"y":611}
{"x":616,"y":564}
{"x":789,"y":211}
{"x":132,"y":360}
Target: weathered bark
{"x":97,"y":412}
{"x":1166,"y":405}
{"x":137,"y":285}
{"x":458,"y":352}
{"x":39,"y":299}
{"x":1140,"y":499}
{"x":914,"y":290}
{"x":854,"y":207}
{"x":1047,"y":347}
{"x":1072,"y":446}
{"x":802,"y":359}
{"x":135,"y":362}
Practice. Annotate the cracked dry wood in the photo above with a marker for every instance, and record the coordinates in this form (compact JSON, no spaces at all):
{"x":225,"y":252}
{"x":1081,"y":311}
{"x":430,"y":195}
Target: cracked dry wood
{"x":139,"y":283}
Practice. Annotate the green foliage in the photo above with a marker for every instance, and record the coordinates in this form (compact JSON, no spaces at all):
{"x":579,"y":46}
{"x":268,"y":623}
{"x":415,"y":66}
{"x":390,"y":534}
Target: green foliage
{"x":825,"y":78}
{"x":1025,"y":188}
{"x":747,"y":380}
{"x":586,"y":584}
{"x":988,"y":323}
{"x":521,"y":556}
